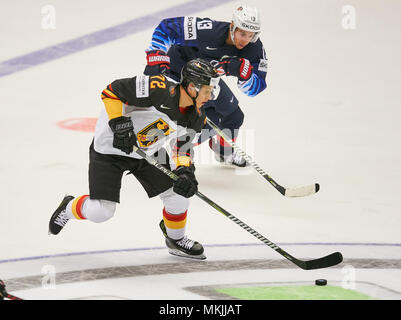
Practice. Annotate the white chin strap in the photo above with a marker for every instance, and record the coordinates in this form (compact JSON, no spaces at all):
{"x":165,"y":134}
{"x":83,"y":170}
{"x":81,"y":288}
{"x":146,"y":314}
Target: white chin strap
{"x":232,"y":30}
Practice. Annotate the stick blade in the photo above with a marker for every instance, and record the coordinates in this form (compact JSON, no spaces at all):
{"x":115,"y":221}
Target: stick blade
{"x":324,"y":262}
{"x":302,"y":191}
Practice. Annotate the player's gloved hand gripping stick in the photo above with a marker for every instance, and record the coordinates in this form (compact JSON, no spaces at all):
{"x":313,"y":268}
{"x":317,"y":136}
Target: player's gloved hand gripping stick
{"x":123,"y":130}
{"x":324,"y":262}
{"x":185,"y":184}
{"x":237,"y":67}
{"x":157,"y":62}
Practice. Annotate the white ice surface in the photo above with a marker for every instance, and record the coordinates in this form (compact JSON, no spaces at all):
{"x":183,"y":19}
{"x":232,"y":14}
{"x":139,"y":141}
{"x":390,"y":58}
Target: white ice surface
{"x":331,"y":114}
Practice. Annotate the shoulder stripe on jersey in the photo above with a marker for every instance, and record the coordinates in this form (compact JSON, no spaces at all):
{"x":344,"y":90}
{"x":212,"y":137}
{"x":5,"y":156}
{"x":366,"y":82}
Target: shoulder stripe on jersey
{"x":109,"y":94}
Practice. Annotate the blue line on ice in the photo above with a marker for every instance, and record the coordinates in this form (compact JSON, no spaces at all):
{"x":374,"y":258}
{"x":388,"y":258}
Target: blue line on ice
{"x":103,"y":36}
{"x":210,"y":245}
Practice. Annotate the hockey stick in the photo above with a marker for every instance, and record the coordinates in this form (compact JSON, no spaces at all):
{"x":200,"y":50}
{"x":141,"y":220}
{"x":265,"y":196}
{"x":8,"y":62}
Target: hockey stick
{"x":5,"y":294}
{"x":324,"y":262}
{"x":288,"y":192}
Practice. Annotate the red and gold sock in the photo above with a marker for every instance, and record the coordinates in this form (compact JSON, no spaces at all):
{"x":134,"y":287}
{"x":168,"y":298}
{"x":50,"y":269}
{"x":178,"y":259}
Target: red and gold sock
{"x":76,"y":207}
{"x":175,"y":224}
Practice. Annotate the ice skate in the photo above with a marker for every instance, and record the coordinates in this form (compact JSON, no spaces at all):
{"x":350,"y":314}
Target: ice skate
{"x":183,"y":247}
{"x":59,"y":218}
{"x":233,"y":159}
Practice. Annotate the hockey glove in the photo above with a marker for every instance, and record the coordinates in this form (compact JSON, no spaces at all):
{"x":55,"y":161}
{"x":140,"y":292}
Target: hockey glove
{"x":237,"y":67}
{"x":124,"y":136}
{"x":157,"y":62}
{"x":186,"y":184}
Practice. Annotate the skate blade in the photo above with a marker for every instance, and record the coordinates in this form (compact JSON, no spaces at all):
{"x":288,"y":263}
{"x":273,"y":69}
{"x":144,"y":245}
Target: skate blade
{"x":233,"y":166}
{"x":179,"y":253}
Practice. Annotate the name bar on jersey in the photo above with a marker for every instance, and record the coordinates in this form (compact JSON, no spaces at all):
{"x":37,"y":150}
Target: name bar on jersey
{"x":190,"y":28}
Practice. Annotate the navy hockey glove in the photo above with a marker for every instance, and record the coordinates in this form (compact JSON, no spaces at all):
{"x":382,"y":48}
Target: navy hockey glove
{"x":157,"y":62}
{"x":186,"y":184}
{"x":237,"y":67}
{"x":124,"y":136}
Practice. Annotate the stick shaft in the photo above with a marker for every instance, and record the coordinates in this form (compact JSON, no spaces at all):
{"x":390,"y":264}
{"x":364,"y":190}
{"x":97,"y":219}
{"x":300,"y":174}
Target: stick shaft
{"x":287,"y":192}
{"x":246,"y":157}
{"x":220,"y":209}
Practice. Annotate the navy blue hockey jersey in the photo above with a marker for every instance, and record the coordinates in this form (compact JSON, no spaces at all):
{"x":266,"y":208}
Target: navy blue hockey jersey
{"x":205,"y":38}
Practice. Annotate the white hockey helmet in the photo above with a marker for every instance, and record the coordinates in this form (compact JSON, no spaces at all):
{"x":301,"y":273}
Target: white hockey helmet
{"x":248,"y":19}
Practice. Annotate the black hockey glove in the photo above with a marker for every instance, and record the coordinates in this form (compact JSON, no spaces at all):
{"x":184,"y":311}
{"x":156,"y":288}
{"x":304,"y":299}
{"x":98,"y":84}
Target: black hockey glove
{"x":124,"y":136}
{"x":186,"y":184}
{"x":157,"y":62}
{"x":237,"y":67}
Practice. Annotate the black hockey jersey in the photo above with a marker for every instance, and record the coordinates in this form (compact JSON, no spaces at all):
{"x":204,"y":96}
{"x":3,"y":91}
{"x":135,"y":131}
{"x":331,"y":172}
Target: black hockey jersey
{"x":152,"y":102}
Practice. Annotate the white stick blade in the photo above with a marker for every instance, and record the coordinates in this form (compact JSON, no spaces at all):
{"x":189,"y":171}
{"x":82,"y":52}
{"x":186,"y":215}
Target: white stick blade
{"x":302,"y":191}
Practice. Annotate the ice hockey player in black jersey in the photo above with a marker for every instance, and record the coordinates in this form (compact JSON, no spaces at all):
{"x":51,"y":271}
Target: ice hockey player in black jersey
{"x":234,"y":48}
{"x":148,"y":112}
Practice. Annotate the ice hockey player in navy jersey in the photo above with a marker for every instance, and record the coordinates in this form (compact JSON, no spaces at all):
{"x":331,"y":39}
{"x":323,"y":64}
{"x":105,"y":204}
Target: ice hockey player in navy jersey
{"x":148,"y":112}
{"x":234,"y":48}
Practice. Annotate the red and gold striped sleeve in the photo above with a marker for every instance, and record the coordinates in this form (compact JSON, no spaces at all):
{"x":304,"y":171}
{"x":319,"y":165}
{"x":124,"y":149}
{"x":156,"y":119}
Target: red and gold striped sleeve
{"x":182,"y":161}
{"x":182,"y":154}
{"x":113,"y":105}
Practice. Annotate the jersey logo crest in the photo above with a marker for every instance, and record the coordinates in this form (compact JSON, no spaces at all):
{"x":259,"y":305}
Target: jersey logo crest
{"x":153,"y":132}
